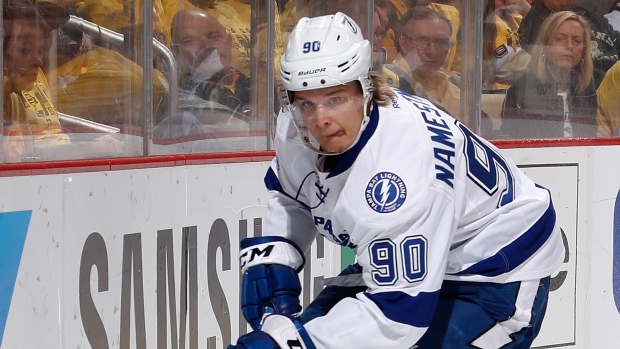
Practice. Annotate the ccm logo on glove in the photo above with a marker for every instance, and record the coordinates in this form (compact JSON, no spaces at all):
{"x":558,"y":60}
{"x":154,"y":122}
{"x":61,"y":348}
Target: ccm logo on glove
{"x":250,"y":255}
{"x":269,"y":250}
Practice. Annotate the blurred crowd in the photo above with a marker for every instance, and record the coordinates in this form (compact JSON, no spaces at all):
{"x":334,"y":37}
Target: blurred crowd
{"x":549,"y":67}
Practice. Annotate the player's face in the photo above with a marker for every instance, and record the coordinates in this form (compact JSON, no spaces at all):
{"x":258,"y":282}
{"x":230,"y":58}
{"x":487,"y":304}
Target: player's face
{"x":24,"y":54}
{"x":429,"y":40}
{"x":567,"y":45}
{"x":196,"y":38}
{"x":333,"y":115}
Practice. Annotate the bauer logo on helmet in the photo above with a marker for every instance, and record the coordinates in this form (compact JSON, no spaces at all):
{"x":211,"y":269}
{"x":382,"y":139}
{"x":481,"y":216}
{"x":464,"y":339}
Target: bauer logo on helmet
{"x":310,"y":72}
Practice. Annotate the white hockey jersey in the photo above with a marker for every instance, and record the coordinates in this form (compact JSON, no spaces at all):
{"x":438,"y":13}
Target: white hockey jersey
{"x":420,"y":198}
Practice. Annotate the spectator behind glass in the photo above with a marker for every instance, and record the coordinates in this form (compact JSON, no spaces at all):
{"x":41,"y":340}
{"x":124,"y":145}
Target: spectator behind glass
{"x":424,"y":44}
{"x":503,"y":59}
{"x":398,"y":10}
{"x":28,"y":109}
{"x":236,"y":16}
{"x":556,"y":98}
{"x":606,"y":40}
{"x":203,"y":50}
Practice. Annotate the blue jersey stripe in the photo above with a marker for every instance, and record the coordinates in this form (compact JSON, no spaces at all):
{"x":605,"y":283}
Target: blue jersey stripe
{"x":512,"y":255}
{"x":272,"y":182}
{"x":304,"y":334}
{"x":402,"y":308}
{"x":13,"y":230}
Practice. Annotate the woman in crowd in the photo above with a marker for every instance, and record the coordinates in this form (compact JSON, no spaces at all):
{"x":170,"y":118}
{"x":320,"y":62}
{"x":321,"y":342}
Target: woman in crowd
{"x":556,"y":98}
{"x":605,"y":40}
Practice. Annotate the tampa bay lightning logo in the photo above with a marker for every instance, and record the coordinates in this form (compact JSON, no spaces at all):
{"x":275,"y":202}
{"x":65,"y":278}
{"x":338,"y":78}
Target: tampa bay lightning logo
{"x":386,"y":192}
{"x":349,"y":22}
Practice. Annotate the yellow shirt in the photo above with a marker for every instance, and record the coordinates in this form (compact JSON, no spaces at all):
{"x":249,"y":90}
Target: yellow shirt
{"x":113,"y":15}
{"x":39,"y":114}
{"x":110,"y":14}
{"x":103,"y":86}
{"x":608,"y":95}
{"x":31,"y":121}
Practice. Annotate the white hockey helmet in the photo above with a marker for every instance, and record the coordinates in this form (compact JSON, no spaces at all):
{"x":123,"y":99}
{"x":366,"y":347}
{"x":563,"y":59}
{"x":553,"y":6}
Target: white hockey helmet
{"x":326,"y":51}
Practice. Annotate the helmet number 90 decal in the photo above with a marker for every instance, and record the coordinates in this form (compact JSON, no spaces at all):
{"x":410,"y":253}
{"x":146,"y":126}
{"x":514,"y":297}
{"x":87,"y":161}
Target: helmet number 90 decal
{"x":314,"y":46}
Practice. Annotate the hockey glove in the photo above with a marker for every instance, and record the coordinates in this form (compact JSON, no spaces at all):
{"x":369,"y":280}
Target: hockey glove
{"x":270,"y":281}
{"x":277,"y":332}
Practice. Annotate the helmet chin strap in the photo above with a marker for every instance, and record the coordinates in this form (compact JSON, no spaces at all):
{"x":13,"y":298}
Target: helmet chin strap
{"x":305,"y":135}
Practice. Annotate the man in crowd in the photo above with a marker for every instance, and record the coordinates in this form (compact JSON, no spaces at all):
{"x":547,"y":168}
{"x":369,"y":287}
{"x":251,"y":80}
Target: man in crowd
{"x":424,"y":44}
{"x":203,"y":50}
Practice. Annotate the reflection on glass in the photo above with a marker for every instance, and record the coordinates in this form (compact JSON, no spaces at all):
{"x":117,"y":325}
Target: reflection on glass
{"x":85,"y":97}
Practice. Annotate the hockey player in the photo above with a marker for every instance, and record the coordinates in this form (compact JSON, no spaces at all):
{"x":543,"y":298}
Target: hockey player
{"x":455,"y":245}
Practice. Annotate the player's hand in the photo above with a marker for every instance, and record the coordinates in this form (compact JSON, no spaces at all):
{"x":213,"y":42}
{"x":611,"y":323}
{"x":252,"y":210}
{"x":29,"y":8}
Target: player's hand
{"x":270,"y":283}
{"x":277,"y":332}
{"x":271,"y":288}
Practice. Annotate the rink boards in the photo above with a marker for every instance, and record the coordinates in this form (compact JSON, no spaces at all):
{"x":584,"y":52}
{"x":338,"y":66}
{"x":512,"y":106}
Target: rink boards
{"x":148,"y":257}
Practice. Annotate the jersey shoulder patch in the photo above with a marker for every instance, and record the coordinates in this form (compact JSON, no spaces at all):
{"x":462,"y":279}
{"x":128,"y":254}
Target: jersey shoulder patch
{"x":385,"y":192}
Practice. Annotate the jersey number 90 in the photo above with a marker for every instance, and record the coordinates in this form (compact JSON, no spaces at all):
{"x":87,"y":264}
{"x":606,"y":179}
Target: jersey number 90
{"x":386,"y":258}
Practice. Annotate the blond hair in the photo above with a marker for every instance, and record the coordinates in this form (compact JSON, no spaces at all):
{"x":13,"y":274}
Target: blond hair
{"x":381,"y":92}
{"x":538,"y":61}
